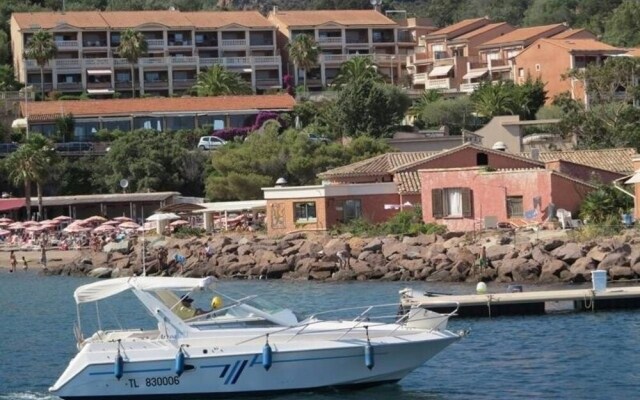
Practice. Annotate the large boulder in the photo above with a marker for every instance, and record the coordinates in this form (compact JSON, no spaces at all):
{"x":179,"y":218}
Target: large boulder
{"x":495,"y":253}
{"x":621,"y":273}
{"x":507,"y":271}
{"x":552,"y":271}
{"x":389,"y":249}
{"x":612,"y":260}
{"x":569,"y":252}
{"x":374,"y":245}
{"x":580,"y":270}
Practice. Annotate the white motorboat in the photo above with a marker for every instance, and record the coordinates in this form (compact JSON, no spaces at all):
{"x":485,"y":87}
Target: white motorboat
{"x":246,"y":346}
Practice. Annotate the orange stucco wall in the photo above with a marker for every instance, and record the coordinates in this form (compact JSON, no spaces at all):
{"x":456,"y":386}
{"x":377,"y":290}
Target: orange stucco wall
{"x":553,"y":61}
{"x":490,"y":190}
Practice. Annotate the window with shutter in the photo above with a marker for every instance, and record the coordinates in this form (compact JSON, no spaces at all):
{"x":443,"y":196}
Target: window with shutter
{"x":467,"y":200}
{"x":437,"y":203}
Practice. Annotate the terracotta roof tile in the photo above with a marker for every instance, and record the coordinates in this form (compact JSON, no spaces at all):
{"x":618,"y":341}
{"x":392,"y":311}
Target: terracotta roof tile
{"x":249,"y":19}
{"x":44,"y":110}
{"x":49,"y":20}
{"x":463,"y":25}
{"x":615,"y":160}
{"x":128,"y":19}
{"x":479,"y":31}
{"x":524,"y":34}
{"x":634,"y":52}
{"x":583,"y":45}
{"x":340,"y":17}
{"x":376,"y":166}
{"x":570,"y":33}
{"x":132,"y":19}
{"x":408,"y":182}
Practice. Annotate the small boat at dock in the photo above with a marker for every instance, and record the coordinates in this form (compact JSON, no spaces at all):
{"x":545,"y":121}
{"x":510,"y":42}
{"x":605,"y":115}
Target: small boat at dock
{"x":241,"y":346}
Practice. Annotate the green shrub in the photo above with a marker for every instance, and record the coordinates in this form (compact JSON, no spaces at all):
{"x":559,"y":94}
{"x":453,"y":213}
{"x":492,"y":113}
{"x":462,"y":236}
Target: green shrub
{"x":183,"y":232}
{"x":408,"y":223}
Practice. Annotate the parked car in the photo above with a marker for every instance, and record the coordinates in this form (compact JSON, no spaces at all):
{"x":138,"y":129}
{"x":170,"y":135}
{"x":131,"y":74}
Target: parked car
{"x":210,"y":142}
{"x":8,"y":148}
{"x":74,"y":146}
{"x":314,"y":137}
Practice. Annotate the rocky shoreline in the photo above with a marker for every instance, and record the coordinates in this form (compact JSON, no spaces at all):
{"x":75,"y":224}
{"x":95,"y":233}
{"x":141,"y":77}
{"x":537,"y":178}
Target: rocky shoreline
{"x":452,"y":257}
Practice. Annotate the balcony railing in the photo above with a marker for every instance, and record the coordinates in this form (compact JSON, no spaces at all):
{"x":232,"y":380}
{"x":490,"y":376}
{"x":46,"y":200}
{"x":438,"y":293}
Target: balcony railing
{"x":420,"y":78}
{"x":469,"y":87}
{"x":156,"y":84}
{"x":179,"y":43}
{"x":155,"y":43}
{"x":69,"y":86}
{"x":267,"y":82}
{"x":98,"y":85}
{"x":405,"y":38}
{"x":94,"y":43}
{"x":97,"y":62}
{"x":154,"y":61}
{"x":261,"y":42}
{"x":234,"y":42}
{"x":65,"y":44}
{"x":184,"y":60}
{"x":444,"y":61}
{"x":183,"y":83}
{"x":340,"y":58}
{"x":123,"y":84}
{"x":444,"y":83}
{"x":330,"y":40}
{"x":73,"y":63}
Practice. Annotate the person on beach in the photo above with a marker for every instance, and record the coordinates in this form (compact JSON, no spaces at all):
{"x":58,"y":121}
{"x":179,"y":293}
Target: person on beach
{"x":13,"y":261}
{"x":344,"y":256}
{"x":25,"y":264}
{"x":43,"y":257}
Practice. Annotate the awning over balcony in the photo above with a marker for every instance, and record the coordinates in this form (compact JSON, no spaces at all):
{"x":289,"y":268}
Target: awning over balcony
{"x":442,"y":70}
{"x":475,"y":74}
{"x":99,"y":91}
{"x":99,"y":72}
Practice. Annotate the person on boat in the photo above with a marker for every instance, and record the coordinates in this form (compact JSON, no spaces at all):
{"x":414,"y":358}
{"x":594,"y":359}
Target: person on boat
{"x":186,"y":310}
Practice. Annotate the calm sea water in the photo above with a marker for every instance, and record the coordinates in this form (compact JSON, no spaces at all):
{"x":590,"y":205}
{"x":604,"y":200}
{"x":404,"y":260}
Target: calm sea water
{"x":568,"y":356}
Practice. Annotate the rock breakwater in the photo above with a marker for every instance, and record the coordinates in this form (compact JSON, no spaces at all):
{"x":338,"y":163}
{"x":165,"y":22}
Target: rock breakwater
{"x":452,"y":257}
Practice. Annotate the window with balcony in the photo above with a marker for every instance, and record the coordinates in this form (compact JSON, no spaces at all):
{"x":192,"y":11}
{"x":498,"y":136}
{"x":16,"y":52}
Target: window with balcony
{"x":382,"y":36}
{"x":351,"y":209}
{"x":308,"y":32}
{"x":305,"y":212}
{"x":123,"y":125}
{"x":214,"y":122}
{"x":357,"y":36}
{"x":180,"y":122}
{"x":85,"y":130}
{"x":123,"y":76}
{"x":154,"y":123}
{"x":179,"y":38}
{"x":115,"y":39}
{"x":240,"y":121}
{"x":451,"y":203}
{"x":206,"y":39}
{"x":261,"y":38}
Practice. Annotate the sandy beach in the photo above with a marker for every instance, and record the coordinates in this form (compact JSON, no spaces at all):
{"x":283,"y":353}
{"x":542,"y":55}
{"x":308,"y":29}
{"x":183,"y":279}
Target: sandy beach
{"x":55,"y":258}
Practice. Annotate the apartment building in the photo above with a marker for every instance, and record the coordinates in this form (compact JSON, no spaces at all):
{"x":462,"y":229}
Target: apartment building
{"x":180,"y":45}
{"x":434,"y":65}
{"x":494,"y":56}
{"x":549,"y":59}
{"x":344,"y":34}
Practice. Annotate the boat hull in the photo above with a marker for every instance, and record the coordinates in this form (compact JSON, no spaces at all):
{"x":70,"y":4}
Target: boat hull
{"x":216,"y":375}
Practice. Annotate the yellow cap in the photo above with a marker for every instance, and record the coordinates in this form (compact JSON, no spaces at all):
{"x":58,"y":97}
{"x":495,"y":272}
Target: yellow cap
{"x":216,"y":302}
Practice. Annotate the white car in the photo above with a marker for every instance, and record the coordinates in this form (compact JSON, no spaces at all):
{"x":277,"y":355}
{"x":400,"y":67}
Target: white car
{"x":210,"y":142}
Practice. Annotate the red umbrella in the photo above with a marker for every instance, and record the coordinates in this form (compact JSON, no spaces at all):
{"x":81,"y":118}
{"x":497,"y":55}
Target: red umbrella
{"x":35,"y":229}
{"x":104,"y":229}
{"x":4,"y":232}
{"x":6,"y":220}
{"x":76,"y":229}
{"x":179,"y":222}
{"x":62,"y":218}
{"x":30,"y":223}
{"x":16,"y":226}
{"x":122,"y":219}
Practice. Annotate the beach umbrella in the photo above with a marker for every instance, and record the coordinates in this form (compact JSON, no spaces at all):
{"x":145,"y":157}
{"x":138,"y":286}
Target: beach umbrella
{"x":163,"y":217}
{"x":62,"y":218}
{"x":4,"y":224}
{"x":16,"y":225}
{"x":30,"y":223}
{"x":179,"y":222}
{"x":112,"y":222}
{"x":75,"y":229}
{"x":96,"y":218}
{"x":49,"y":222}
{"x":35,"y":229}
{"x":49,"y":226}
{"x":122,"y":219}
{"x":6,"y":220}
{"x":129,"y":225}
{"x":104,"y":229}
{"x":4,"y":232}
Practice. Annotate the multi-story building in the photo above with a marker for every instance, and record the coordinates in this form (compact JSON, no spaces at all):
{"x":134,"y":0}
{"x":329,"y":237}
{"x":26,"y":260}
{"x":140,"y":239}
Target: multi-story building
{"x":494,"y":56}
{"x":180,"y":45}
{"x":344,"y":34}
{"x":549,"y":59}
{"x":434,"y":64}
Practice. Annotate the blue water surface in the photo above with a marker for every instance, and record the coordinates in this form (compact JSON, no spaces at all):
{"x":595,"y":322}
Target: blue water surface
{"x":564,"y":356}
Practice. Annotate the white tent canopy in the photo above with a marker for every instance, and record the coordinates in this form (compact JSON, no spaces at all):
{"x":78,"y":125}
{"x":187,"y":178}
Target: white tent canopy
{"x":162,"y":217}
{"x":104,"y":289}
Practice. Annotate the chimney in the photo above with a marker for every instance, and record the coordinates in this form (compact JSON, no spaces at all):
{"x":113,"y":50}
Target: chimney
{"x":275,"y":10}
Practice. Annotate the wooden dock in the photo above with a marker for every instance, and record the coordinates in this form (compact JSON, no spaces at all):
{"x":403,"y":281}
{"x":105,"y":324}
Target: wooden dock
{"x":526,"y":303}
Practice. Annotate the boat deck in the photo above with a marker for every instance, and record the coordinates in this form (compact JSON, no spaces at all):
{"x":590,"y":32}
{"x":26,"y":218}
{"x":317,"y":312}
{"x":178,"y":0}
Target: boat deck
{"x":533,"y":302}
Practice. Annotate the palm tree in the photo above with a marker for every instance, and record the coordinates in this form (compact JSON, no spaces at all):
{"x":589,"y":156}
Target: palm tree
{"x":132,"y":46}
{"x":492,"y":99}
{"x":428,"y":97}
{"x":219,"y":81}
{"x":361,"y":67}
{"x":42,"y":48}
{"x":31,"y":163}
{"x":303,"y":51}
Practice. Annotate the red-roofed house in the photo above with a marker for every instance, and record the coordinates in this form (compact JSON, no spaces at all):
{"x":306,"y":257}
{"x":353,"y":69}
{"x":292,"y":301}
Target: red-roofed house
{"x":180,"y":44}
{"x":161,"y":114}
{"x":495,"y":55}
{"x":549,"y":59}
